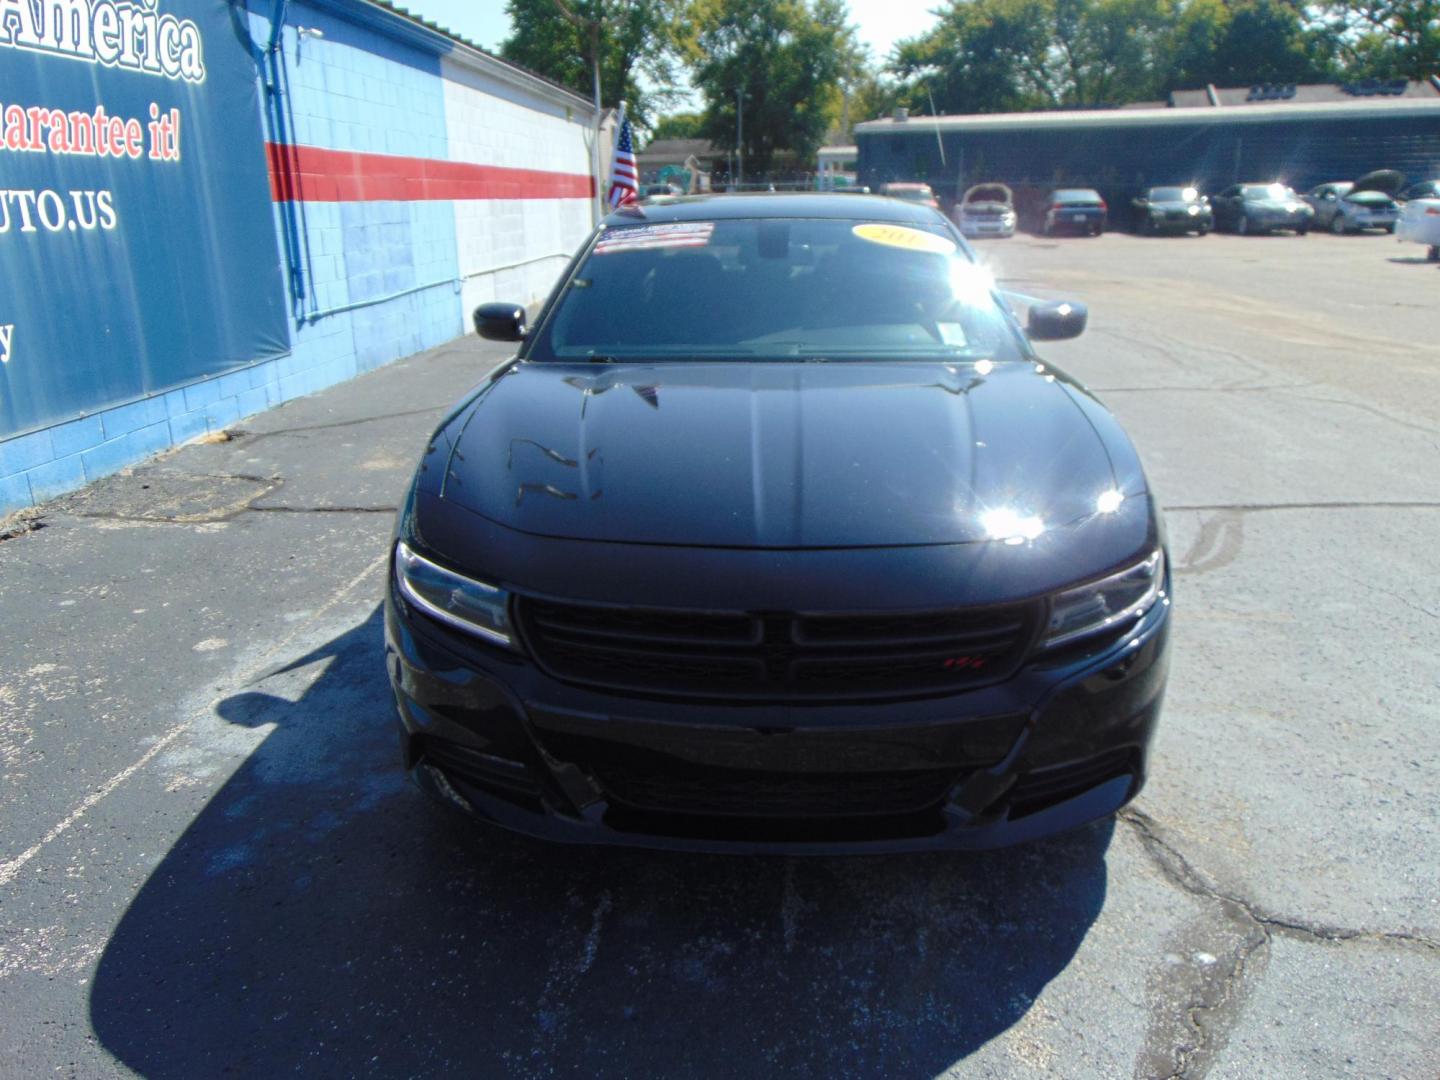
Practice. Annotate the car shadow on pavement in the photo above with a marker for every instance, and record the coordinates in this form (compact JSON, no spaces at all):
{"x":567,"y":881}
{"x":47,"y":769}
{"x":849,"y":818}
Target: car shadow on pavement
{"x":320,"y":917}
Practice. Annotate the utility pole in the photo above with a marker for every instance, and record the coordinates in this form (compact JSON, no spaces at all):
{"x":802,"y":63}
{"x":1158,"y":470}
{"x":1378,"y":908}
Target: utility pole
{"x":740,"y":133}
{"x":597,"y":204}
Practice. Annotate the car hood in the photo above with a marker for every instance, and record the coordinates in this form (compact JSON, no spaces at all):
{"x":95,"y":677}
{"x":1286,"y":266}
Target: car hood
{"x":988,"y":193}
{"x":1385,"y":181}
{"x":782,"y":455}
{"x":1175,"y":204}
{"x":1284,"y":206}
{"x":1369,"y":198}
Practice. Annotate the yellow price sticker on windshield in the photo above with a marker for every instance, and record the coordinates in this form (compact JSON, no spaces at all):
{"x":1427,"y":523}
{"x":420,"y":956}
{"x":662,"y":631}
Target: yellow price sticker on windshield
{"x":902,"y":236}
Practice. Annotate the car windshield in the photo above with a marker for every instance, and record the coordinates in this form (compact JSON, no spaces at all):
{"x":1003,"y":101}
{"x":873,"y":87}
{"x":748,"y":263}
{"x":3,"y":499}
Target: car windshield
{"x":777,"y":289}
{"x":1267,"y":191}
{"x":1173,"y":194}
{"x":1078,"y":195}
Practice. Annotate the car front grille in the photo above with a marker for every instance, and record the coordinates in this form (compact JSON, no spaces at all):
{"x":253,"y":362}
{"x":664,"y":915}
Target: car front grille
{"x":776,"y":657}
{"x":752,"y":794}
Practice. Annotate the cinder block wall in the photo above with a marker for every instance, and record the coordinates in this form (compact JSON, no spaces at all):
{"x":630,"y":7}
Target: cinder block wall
{"x":356,"y":90}
{"x":424,"y":179}
{"x":513,"y":248}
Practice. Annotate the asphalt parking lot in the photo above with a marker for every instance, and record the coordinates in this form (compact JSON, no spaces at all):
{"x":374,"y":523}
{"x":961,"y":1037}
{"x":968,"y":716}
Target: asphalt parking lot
{"x":209,"y":862}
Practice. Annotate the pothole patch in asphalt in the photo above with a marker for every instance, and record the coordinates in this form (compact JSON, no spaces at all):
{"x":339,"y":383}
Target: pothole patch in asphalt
{"x":171,"y":497}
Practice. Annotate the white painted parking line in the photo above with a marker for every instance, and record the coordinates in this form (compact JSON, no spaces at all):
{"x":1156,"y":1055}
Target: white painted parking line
{"x":12,"y":867}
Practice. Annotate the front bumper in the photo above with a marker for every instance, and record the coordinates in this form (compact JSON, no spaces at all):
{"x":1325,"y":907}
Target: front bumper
{"x":1373,"y":220}
{"x":1173,"y":222}
{"x":1057,"y":745}
{"x":1280,"y":220}
{"x":971,"y":228}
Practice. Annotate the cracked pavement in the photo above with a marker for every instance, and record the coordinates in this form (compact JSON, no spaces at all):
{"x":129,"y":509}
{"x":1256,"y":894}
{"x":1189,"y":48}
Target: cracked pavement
{"x":210,"y":863}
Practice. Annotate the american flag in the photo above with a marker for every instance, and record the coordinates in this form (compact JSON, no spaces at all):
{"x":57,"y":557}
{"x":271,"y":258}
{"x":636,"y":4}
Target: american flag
{"x":624,"y":176}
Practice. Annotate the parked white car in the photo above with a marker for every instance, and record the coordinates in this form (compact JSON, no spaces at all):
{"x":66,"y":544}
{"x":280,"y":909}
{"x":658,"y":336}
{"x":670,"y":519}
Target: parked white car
{"x":986,"y":210}
{"x":1420,"y":224}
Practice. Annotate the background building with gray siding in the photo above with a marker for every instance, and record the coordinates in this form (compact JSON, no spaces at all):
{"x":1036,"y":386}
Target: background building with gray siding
{"x":1211,"y":138}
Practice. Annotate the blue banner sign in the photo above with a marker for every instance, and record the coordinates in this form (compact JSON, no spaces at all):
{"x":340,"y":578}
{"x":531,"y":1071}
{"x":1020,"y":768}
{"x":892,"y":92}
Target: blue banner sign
{"x":137,"y":245}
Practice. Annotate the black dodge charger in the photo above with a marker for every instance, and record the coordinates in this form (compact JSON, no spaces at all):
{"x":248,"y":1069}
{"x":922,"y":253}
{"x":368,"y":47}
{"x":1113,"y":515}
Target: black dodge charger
{"x":777,"y":535}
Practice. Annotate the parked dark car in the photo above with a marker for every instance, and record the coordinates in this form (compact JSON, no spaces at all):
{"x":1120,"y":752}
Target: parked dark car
{"x":1261,"y":208}
{"x":1351,"y":206}
{"x":1426,"y":189}
{"x":1074,"y":210}
{"x":777,"y":535}
{"x":1180,"y":209}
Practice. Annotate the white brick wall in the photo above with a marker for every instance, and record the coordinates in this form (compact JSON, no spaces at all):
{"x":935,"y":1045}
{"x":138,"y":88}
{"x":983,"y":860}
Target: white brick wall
{"x":491,"y":123}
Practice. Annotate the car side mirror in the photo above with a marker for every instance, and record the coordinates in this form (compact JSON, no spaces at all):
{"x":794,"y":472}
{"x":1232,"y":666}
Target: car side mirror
{"x":500,"y":322}
{"x":1056,"y":320}
{"x":1141,"y":201}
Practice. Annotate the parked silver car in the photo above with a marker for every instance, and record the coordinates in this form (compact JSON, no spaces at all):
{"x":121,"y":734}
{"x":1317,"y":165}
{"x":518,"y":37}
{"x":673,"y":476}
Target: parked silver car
{"x":1350,"y":206}
{"x":986,"y":210}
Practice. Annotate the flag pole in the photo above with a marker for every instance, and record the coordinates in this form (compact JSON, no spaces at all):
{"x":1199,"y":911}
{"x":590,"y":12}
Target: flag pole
{"x":599,"y":204}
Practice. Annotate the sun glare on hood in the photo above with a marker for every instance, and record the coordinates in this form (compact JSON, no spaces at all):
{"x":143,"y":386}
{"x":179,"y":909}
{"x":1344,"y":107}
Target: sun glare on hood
{"x":1011,"y":526}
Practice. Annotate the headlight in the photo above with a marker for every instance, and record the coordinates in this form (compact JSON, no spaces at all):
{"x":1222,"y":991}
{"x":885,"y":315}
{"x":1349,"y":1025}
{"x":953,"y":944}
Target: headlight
{"x":467,"y":604}
{"x":1193,"y":210}
{"x":1105,"y":604}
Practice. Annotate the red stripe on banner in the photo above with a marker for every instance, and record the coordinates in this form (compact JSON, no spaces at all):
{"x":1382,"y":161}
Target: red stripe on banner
{"x":312,"y":174}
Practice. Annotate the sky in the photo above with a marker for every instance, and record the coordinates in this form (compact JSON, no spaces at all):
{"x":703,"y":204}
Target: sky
{"x":881,"y":23}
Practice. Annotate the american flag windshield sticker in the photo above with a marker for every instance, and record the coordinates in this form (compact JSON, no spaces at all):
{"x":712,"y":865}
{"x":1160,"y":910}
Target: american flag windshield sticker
{"x":645,"y":237}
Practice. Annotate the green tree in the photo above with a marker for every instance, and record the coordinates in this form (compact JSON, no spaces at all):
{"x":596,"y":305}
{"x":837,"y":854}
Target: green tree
{"x":1002,"y":55}
{"x":1199,"y":29}
{"x":1387,"y":38}
{"x":1111,"y":50}
{"x":870,"y":94}
{"x":782,"y":62}
{"x":1263,"y":41}
{"x":635,"y":39}
{"x":982,"y":56}
{"x":677,"y":126}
